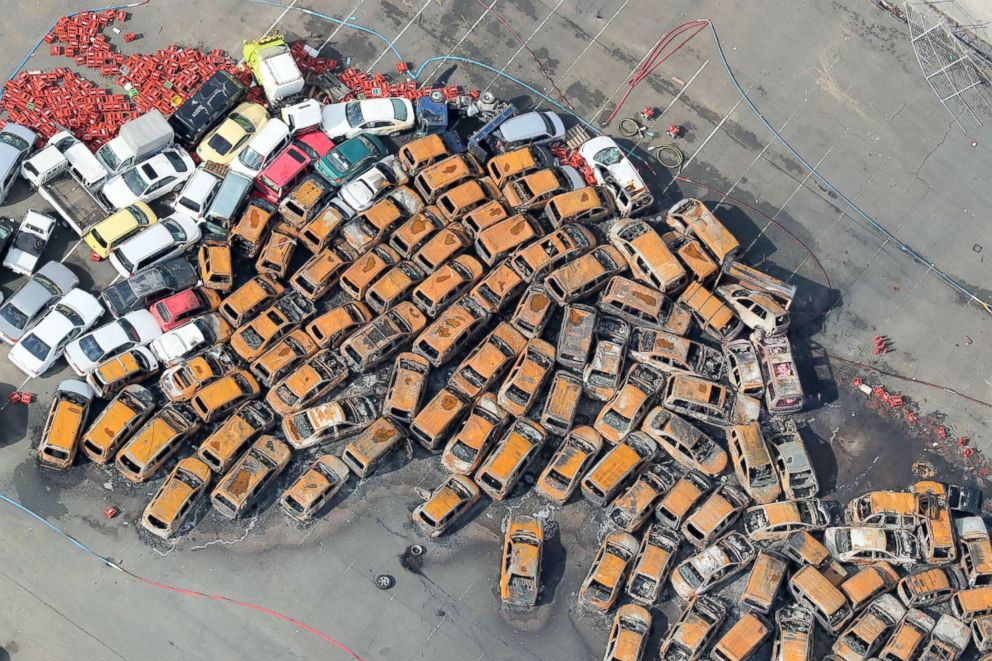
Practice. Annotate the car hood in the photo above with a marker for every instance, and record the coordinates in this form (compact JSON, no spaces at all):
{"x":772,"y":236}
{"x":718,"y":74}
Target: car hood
{"x":118,"y":194}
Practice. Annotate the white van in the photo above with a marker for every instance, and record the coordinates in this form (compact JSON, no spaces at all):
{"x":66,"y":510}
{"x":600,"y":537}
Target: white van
{"x":171,"y":236}
{"x":195,"y":197}
{"x":266,"y":143}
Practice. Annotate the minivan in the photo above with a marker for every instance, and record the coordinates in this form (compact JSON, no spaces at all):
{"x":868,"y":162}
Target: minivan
{"x":435,"y":179}
{"x":690,"y":216}
{"x":830,"y":607}
{"x":256,"y":469}
{"x":155,"y":443}
{"x":64,"y":424}
{"x":206,"y":108}
{"x":266,"y":143}
{"x":229,"y":200}
{"x":365,"y":452}
{"x":197,"y":193}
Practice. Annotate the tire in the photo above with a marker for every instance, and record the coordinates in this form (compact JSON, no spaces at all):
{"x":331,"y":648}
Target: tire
{"x":384,"y":581}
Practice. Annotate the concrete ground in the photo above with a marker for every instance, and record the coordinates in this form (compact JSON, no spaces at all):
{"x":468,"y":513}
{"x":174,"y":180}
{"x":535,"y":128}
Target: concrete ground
{"x":838,"y":80}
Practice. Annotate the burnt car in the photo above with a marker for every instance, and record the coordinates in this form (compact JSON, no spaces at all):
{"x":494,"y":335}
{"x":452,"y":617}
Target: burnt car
{"x":149,"y":285}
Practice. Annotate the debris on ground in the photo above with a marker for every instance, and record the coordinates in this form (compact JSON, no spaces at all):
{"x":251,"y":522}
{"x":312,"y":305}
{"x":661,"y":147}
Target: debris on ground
{"x":502,"y":291}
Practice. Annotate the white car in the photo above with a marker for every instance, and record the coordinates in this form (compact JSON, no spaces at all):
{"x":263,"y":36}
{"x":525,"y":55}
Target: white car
{"x":135,"y":329}
{"x":265,"y":144}
{"x":161,"y":174}
{"x":39,"y":348}
{"x":168,"y":238}
{"x":531,"y":128}
{"x":195,"y":197}
{"x":375,"y":116}
{"x":611,"y":167}
{"x":361,"y":192}
{"x":29,"y":242}
{"x":172,"y":346}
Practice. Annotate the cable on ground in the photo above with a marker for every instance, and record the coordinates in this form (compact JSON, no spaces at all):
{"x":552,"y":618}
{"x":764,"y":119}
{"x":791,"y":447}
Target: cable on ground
{"x":523,"y":44}
{"x":656,"y":57}
{"x":896,"y":375}
{"x":171,"y":588}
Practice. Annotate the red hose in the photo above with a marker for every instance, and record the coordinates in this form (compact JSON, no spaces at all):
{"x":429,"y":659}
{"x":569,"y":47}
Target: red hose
{"x":657,"y":55}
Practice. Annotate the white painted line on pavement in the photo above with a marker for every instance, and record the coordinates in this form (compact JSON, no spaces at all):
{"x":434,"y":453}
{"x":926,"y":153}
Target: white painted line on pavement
{"x":281,"y":16}
{"x":524,"y":45}
{"x":798,"y":188}
{"x":347,"y":17}
{"x":460,"y":41}
{"x":392,"y":43}
{"x":706,"y":141}
{"x":760,"y":154}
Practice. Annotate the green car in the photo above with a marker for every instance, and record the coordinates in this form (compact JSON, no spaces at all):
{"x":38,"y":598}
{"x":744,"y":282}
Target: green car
{"x":351,"y":158}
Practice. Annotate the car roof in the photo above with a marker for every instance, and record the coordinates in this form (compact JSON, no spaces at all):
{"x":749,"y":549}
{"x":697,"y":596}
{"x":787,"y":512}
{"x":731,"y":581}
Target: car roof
{"x":525,"y":126}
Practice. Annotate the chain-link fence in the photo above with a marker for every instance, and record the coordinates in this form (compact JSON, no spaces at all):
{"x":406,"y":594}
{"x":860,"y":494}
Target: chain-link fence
{"x":948,"y":65}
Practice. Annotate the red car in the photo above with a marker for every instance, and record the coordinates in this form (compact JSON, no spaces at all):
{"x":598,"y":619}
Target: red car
{"x":288,"y":166}
{"x":180,"y":308}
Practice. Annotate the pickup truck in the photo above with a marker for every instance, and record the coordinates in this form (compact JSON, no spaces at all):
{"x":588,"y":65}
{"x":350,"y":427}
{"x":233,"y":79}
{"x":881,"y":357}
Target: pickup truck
{"x":69,"y":176}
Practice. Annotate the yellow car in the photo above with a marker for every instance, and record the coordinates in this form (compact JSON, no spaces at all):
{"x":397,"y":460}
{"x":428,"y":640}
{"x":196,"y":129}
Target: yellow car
{"x":118,"y":227}
{"x":223,"y":143}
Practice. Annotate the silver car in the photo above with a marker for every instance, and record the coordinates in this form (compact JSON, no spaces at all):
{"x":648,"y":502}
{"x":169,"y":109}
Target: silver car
{"x":25,"y":307}
{"x":530,"y":128}
{"x":16,"y":142}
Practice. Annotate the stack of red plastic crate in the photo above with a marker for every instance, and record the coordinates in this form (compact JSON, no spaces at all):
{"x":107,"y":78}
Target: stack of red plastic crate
{"x":45,"y":101}
{"x":374,"y":86}
{"x":83,"y":42}
{"x":309,"y":63}
{"x":168,"y":77}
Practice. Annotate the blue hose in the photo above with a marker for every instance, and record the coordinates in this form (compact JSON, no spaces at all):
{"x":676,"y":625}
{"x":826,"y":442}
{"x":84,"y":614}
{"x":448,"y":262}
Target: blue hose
{"x":913,"y":254}
{"x":34,"y":515}
{"x":337,"y":21}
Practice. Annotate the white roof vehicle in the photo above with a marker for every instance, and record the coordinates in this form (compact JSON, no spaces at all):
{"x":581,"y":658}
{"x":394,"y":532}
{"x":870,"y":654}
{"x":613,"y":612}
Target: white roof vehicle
{"x":149,"y":180}
{"x":302,"y":117}
{"x":29,"y":242}
{"x":710,"y":567}
{"x":612,"y":168}
{"x":169,"y":237}
{"x":195,"y":197}
{"x":266,"y":143}
{"x":361,"y":192}
{"x":136,"y":328}
{"x":792,"y":460}
{"x":375,"y":116}
{"x":39,"y":348}
{"x":174,"y":345}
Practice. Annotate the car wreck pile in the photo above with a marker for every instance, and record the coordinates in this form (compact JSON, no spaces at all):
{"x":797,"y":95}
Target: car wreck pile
{"x":502,"y":295}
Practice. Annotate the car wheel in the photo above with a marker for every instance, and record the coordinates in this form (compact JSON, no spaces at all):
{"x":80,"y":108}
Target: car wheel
{"x":384,"y":581}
